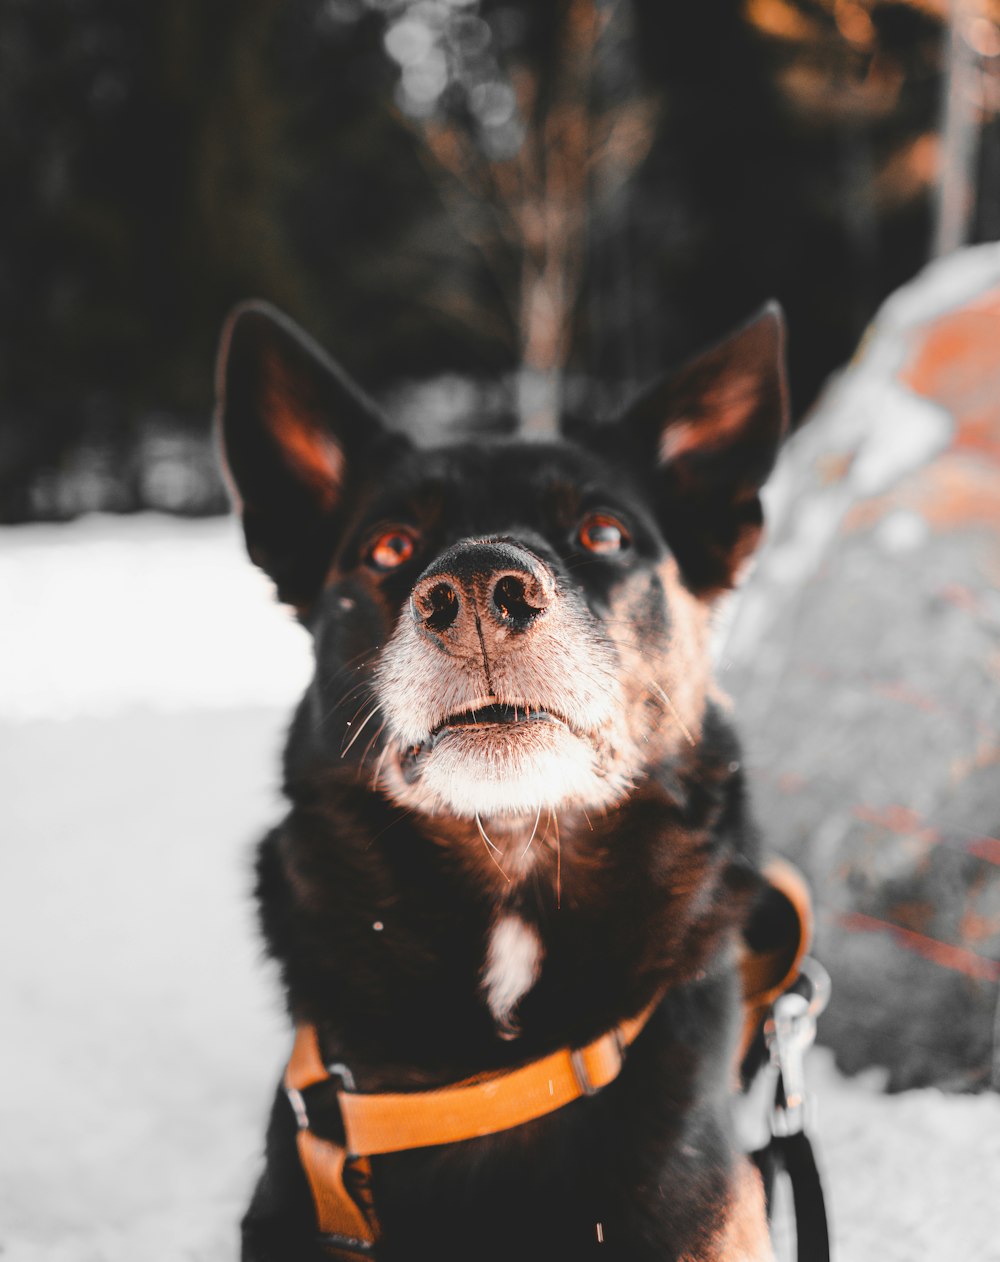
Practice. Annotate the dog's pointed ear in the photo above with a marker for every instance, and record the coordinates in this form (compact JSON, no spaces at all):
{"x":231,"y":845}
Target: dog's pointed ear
{"x":710,"y":432}
{"x":292,"y":428}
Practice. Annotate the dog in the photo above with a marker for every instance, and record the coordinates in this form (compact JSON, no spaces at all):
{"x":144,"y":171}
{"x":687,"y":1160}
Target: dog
{"x":518,"y":817}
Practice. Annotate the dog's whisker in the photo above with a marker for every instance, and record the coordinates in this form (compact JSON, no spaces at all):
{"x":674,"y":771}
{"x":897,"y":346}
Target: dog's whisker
{"x":491,"y":848}
{"x":534,"y":830}
{"x":371,"y":745}
{"x":673,"y":710}
{"x":351,"y":721}
{"x":355,"y":685}
{"x":657,"y":693}
{"x":379,"y":764}
{"x":482,"y":833}
{"x":358,"y":661}
{"x":347,"y":697}
{"x":361,"y":727}
{"x":555,"y":823}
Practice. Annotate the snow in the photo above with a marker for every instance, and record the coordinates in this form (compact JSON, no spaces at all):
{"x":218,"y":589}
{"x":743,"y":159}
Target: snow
{"x":145,"y":685}
{"x":143,"y":611}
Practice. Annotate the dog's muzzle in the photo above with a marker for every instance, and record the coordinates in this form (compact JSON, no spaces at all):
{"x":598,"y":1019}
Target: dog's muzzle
{"x":496,"y":687}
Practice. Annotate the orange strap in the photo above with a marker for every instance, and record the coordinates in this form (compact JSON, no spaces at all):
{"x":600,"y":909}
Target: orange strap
{"x":351,"y":1218}
{"x":392,"y":1122}
{"x":768,"y":973}
{"x":395,"y":1121}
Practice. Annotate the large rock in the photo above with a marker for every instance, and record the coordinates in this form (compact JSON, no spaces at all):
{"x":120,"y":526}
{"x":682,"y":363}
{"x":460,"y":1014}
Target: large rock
{"x":864,"y":657}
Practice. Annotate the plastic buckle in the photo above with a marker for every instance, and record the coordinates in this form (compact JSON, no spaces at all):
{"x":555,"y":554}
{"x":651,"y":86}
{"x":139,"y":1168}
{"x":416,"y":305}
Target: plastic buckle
{"x":789,"y":1032}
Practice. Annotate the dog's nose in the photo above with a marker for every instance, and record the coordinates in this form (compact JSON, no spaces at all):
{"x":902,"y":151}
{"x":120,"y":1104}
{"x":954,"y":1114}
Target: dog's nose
{"x":493,"y":582}
{"x":435,"y":603}
{"x":518,"y":598}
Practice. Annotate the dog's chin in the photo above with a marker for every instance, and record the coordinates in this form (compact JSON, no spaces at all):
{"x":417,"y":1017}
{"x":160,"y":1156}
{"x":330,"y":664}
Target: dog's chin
{"x":507,"y":769}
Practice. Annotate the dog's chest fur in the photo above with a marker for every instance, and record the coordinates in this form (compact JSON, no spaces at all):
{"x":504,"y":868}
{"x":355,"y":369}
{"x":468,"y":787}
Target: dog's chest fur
{"x":513,"y":961}
{"x":403,"y":939}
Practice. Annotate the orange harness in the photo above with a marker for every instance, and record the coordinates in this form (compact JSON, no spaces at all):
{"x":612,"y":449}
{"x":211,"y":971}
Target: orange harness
{"x":340,"y":1176}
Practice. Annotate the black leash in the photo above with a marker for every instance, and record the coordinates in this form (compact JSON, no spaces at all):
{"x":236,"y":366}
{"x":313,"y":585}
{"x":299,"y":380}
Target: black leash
{"x":793,"y":1154}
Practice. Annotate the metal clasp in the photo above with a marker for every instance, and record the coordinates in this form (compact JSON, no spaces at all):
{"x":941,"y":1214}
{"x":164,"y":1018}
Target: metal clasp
{"x":580,"y":1068}
{"x":298,"y":1108}
{"x":297,"y":1100}
{"x":339,"y":1070}
{"x":789,"y":1033}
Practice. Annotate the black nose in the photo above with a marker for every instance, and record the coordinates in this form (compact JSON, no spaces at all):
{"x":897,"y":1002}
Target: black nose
{"x":493,"y":582}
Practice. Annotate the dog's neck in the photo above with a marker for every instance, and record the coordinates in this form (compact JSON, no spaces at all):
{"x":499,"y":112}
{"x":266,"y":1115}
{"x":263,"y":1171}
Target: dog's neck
{"x":393,"y":929}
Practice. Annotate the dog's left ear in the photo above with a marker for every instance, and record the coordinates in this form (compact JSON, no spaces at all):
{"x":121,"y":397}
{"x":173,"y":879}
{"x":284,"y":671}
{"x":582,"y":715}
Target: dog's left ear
{"x":295,"y":433}
{"x":710,"y":433}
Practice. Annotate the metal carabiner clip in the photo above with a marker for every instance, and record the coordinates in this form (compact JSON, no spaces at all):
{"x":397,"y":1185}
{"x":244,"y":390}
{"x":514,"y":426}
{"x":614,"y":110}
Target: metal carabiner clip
{"x":789,"y":1033}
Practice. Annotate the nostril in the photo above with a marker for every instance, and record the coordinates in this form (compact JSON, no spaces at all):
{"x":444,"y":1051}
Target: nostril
{"x":439,"y":607}
{"x":513,"y":601}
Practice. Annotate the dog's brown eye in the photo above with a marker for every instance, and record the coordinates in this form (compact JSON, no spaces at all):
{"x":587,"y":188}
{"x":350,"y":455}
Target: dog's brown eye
{"x":600,"y":532}
{"x":391,"y":549}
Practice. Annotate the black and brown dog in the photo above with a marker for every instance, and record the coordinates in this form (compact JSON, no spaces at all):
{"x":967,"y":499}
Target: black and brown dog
{"x":518,"y":817}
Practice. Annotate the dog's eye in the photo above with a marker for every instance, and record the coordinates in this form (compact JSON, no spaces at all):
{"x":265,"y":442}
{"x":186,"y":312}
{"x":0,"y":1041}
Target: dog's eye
{"x":391,"y":548}
{"x":602,"y":533}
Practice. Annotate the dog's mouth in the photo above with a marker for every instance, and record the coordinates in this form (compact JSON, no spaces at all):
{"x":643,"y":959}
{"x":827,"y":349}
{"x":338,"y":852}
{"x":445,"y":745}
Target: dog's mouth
{"x":495,"y":714}
{"x":492,"y":720}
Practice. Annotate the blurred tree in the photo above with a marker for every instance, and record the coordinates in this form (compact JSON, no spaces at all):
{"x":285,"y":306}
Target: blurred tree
{"x":524,"y":156}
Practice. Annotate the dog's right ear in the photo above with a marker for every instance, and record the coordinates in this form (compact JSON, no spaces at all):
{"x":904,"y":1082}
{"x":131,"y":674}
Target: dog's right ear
{"x":291,"y":425}
{"x":706,"y":438}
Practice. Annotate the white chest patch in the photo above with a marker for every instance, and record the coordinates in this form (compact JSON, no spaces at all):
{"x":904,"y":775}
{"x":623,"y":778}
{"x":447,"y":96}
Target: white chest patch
{"x":513,"y":962}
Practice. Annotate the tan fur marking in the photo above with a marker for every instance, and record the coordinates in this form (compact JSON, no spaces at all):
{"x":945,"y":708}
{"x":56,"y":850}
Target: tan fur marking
{"x":672,"y":676}
{"x":745,"y":1237}
{"x":687,"y":664}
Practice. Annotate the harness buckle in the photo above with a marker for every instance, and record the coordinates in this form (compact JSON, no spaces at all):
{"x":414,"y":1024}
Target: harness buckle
{"x":789,"y":1033}
{"x":337,"y":1246}
{"x":298,"y":1107}
{"x":583,"y":1081}
{"x":340,"y":1070}
{"x":297,"y":1100}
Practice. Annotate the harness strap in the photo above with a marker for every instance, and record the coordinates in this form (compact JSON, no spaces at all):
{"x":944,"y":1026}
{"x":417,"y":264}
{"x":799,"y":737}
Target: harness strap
{"x":387,"y":1122}
{"x":341,"y":1188}
{"x":374,"y":1124}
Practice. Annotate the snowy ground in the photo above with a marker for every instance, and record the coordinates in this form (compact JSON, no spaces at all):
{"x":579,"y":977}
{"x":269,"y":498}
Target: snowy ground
{"x":144,"y":682}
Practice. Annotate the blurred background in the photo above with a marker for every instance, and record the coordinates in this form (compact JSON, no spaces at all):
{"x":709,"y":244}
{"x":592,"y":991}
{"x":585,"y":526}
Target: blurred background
{"x":492,"y":214}
{"x":453,"y":191}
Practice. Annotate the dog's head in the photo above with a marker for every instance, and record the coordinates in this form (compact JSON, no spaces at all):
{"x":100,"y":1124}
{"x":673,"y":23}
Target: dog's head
{"x":504,"y":626}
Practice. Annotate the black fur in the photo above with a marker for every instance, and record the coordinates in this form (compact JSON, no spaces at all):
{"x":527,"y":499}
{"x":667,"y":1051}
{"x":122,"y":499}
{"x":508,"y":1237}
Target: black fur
{"x":649,"y":893}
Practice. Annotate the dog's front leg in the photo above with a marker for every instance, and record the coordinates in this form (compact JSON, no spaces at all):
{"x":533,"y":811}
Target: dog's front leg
{"x":279,"y":1225}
